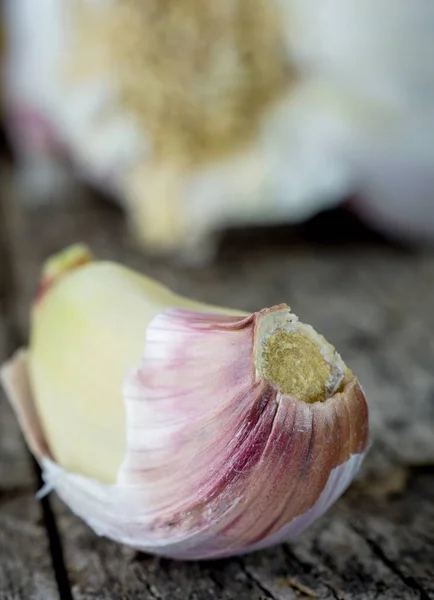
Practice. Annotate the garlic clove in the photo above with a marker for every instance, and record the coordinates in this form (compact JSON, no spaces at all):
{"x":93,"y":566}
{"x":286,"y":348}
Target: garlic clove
{"x":236,"y":431}
{"x":88,"y":327}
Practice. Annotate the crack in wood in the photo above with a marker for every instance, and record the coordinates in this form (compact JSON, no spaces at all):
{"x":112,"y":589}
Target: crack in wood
{"x":268,"y":594}
{"x":55,"y":543}
{"x":409,"y":581}
{"x":13,"y":340}
{"x":333,"y":591}
{"x":151,"y":591}
{"x":337,"y":593}
{"x":305,"y":567}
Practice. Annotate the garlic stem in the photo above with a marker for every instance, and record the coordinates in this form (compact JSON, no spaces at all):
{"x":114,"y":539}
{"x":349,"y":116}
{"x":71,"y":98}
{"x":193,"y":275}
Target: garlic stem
{"x":294,"y":358}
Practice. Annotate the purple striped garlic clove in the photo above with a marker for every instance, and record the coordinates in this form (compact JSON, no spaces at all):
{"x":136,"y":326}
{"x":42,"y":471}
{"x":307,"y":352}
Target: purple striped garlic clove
{"x":220,"y":434}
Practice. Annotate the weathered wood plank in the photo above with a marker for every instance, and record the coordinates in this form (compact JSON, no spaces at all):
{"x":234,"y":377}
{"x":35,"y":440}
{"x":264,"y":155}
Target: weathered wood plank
{"x":366,"y":547}
{"x":375,"y":304}
{"x":25,"y":561}
{"x":400,"y":530}
{"x":14,"y":462}
{"x":104,"y":570}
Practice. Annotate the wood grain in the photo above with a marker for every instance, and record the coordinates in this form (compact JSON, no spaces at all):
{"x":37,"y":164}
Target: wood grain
{"x":25,"y":559}
{"x":374,"y":302}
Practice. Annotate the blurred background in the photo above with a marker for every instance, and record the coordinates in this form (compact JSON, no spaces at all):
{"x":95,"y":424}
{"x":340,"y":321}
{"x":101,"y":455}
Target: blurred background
{"x":246,"y":156}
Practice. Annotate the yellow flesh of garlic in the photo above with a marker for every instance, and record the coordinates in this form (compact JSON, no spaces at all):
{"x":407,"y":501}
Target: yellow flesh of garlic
{"x":100,"y":311}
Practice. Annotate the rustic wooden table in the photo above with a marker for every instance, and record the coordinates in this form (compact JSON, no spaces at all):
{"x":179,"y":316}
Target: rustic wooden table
{"x":374,"y":302}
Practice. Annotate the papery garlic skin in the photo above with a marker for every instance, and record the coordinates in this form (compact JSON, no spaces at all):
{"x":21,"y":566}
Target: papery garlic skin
{"x":216,"y":460}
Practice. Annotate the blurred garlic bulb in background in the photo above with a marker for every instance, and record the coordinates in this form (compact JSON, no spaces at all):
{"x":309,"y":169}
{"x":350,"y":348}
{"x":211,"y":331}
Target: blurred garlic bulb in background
{"x":182,"y":429}
{"x":199,"y":115}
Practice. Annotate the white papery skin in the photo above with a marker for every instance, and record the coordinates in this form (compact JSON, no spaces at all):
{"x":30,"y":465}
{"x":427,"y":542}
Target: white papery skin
{"x":218,"y":461}
{"x":358,"y":119}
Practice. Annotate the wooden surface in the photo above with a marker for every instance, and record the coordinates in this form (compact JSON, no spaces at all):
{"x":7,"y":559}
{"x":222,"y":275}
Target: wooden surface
{"x":374,"y":302}
{"x":25,"y":562}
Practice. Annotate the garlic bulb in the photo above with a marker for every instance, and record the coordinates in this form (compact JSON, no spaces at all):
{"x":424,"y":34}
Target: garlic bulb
{"x":268,"y":112}
{"x":178,"y":428}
